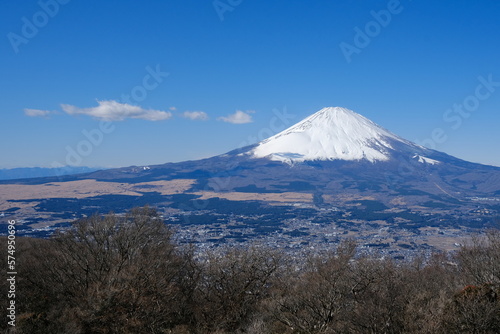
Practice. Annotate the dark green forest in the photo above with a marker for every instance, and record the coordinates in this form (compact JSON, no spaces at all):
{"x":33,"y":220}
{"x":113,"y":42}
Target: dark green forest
{"x":126,"y":274}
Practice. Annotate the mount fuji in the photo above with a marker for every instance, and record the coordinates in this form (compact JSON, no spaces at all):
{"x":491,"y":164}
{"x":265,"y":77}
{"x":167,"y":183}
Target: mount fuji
{"x":334,"y":151}
{"x":333,"y":158}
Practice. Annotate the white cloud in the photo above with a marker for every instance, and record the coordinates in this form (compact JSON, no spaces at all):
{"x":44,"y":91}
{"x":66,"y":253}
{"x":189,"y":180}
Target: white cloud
{"x":172,"y":108}
{"x":115,"y":111}
{"x":37,"y":112}
{"x":195,"y":115}
{"x":239,"y":117}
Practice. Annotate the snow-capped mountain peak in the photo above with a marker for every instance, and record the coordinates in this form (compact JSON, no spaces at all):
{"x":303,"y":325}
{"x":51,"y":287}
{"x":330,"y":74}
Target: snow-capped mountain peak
{"x":332,"y":133}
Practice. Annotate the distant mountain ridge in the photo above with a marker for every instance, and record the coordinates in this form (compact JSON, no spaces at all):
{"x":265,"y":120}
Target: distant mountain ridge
{"x":33,"y":172}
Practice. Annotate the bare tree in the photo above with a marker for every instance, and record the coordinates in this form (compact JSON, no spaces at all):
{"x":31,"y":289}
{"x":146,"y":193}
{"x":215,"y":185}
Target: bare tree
{"x":317,"y":299}
{"x":232,"y":284}
{"x":476,"y":307}
{"x":107,"y":275}
{"x":480,"y":261}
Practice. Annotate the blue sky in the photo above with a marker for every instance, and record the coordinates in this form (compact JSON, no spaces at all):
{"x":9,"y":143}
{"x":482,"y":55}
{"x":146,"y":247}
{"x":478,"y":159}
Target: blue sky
{"x":120,"y":83}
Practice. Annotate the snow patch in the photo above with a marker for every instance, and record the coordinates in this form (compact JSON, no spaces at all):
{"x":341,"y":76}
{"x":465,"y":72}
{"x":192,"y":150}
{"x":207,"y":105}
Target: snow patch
{"x":423,"y":159}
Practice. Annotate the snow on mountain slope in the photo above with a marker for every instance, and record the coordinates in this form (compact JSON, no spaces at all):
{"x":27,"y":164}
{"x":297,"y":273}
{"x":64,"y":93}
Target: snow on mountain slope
{"x":425,"y":159}
{"x":331,"y":134}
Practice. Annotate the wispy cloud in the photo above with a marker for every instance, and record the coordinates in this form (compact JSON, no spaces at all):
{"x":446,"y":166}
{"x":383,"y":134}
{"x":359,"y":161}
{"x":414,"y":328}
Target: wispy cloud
{"x":195,"y":115}
{"x":239,"y":117}
{"x":115,"y":111}
{"x":37,"y":112}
